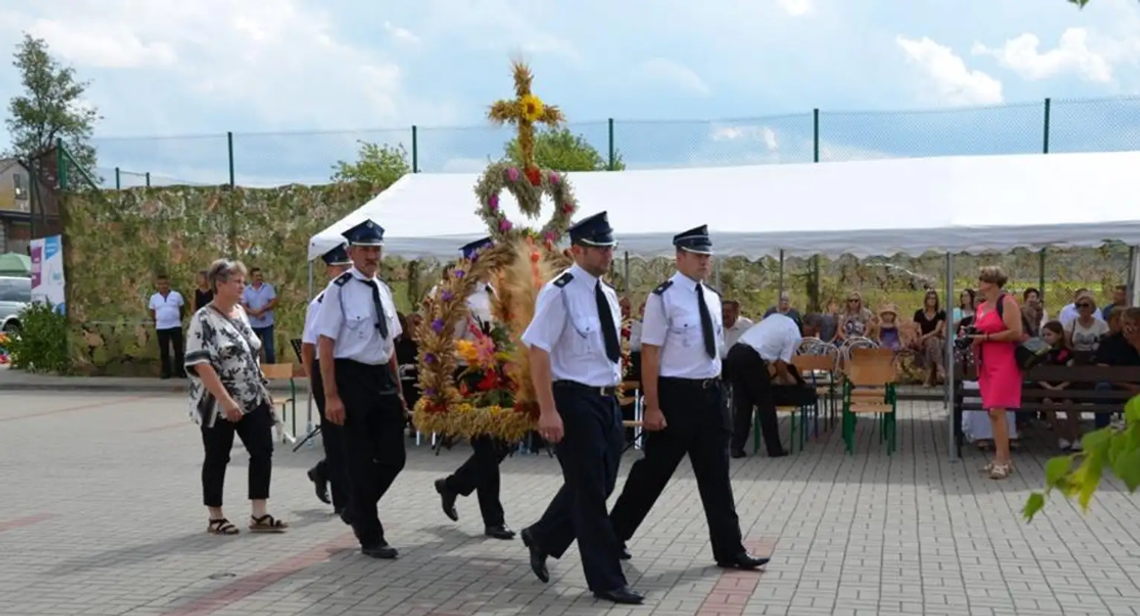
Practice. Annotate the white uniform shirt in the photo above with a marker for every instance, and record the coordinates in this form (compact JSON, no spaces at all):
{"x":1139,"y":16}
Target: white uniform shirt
{"x":566,"y":325}
{"x":348,"y":316}
{"x":309,"y":333}
{"x":478,"y":312}
{"x":673,"y":323}
{"x":775,"y":337}
{"x":732,"y":334}
{"x":167,"y":310}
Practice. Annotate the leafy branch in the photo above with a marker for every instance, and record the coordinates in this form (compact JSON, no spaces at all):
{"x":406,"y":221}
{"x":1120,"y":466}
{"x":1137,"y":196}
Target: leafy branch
{"x":1115,"y":449}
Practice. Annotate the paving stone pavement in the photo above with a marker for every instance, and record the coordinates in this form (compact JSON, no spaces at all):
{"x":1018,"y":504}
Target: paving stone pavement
{"x":100,"y":515}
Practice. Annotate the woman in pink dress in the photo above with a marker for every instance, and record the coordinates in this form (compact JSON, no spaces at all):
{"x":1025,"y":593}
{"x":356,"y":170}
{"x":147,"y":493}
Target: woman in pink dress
{"x":999,"y":378}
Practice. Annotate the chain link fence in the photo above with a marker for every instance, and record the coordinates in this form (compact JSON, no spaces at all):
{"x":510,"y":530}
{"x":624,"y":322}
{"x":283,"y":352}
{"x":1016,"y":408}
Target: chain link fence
{"x":273,"y":159}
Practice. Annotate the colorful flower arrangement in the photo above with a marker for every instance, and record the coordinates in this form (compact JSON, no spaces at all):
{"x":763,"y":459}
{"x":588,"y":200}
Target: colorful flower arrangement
{"x":493,"y":395}
{"x":4,"y":359}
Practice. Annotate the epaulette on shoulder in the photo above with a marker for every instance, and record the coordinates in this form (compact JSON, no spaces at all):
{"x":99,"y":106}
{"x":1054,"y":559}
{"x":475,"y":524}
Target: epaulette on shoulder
{"x":343,"y":279}
{"x":713,"y":290}
{"x":563,"y":280}
{"x":663,"y":287}
{"x":321,"y":297}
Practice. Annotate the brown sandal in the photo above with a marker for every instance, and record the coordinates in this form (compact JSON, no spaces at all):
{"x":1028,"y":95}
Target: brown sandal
{"x":1001,"y":471}
{"x":221,"y":526}
{"x":266,"y":524}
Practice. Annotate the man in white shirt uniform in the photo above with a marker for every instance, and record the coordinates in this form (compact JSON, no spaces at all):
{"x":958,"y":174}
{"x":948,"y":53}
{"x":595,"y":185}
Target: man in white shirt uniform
{"x":685,"y":412}
{"x":357,"y":328}
{"x":480,"y":473}
{"x":166,"y":308}
{"x":332,"y":468}
{"x":762,"y":354}
{"x":575,"y":362}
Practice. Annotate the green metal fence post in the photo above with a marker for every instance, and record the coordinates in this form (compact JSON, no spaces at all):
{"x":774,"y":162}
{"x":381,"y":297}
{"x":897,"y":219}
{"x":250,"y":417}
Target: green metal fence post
{"x":148,"y":179}
{"x":230,"y":148}
{"x":611,"y":139}
{"x":415,"y":149}
{"x":118,"y":180}
{"x":1048,"y":108}
{"x":815,"y":134}
{"x":60,"y":164}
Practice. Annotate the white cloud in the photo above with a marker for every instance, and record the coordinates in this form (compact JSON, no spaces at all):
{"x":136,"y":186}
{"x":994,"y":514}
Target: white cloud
{"x":281,"y":60}
{"x":1073,"y":54}
{"x":797,"y":8}
{"x":947,"y":77}
{"x":668,"y":72}
{"x":757,"y":133}
{"x":402,"y":35}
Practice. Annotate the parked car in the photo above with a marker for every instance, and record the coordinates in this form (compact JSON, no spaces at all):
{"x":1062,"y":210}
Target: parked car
{"x":15,"y":295}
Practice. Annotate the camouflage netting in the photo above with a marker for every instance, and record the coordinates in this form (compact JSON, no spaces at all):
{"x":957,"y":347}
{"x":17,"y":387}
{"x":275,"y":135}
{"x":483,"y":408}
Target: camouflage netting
{"x":117,"y":242}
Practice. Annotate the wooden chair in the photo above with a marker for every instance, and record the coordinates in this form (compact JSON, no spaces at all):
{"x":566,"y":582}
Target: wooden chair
{"x":819,"y":371}
{"x":284,"y":372}
{"x":869,"y":389}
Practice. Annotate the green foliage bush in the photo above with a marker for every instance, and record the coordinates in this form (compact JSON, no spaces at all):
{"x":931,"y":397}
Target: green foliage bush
{"x":41,"y":344}
{"x":1114,"y":450}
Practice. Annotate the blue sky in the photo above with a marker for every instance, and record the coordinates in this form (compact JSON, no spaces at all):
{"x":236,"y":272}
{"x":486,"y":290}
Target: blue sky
{"x":299,"y":81}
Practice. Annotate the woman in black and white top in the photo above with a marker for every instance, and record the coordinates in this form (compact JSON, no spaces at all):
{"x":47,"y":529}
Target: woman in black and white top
{"x":228,"y":395}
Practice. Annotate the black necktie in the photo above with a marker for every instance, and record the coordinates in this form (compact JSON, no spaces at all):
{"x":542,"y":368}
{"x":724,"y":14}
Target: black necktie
{"x":382,"y":319}
{"x":706,"y":322}
{"x":609,"y":332}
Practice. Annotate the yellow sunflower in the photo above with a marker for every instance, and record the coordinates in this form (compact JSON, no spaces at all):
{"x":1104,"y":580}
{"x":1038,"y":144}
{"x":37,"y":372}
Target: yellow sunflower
{"x":531,"y":107}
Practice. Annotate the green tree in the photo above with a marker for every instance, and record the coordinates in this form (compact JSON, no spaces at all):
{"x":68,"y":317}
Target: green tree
{"x":1115,"y":450}
{"x":561,"y":150}
{"x":380,"y":164}
{"x":51,"y":107}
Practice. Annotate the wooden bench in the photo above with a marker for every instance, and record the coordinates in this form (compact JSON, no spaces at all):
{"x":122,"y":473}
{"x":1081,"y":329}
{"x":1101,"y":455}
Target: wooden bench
{"x":1081,"y":395}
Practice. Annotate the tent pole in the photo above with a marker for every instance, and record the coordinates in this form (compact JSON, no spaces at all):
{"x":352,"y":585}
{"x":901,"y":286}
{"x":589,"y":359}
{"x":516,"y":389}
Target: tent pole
{"x":625,"y":273}
{"x":949,"y":360}
{"x":781,"y":277}
{"x":1133,"y":276}
{"x":309,"y":389}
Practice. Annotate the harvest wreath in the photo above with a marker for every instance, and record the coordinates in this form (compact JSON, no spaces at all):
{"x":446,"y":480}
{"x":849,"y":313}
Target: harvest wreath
{"x":495,"y":395}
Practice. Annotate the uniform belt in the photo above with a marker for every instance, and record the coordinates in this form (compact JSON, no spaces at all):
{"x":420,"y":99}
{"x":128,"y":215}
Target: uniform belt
{"x":708,"y":383}
{"x":606,"y":391}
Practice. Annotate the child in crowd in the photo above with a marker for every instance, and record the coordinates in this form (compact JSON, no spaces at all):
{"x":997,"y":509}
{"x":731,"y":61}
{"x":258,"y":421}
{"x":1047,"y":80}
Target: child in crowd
{"x":1068,"y":434}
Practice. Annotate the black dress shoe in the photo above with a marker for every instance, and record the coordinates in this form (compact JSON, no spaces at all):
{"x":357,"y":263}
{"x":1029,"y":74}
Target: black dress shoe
{"x":381,"y":550}
{"x":537,"y":557}
{"x":621,"y":595}
{"x":744,"y":561}
{"x":624,"y":552}
{"x":499,"y":531}
{"x":447,"y":500}
{"x":320,"y":484}
{"x":738,"y":453}
{"x":779,"y":453}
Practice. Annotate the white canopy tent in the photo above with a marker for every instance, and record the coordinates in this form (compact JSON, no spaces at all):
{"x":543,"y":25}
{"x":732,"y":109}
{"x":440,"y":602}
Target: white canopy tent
{"x":869,"y":208}
{"x":880,"y":207}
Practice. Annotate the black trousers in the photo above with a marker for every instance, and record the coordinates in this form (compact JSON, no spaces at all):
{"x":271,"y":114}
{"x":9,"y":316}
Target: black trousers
{"x":589,"y":453}
{"x":697,"y":424}
{"x":256,"y":432}
{"x":170,"y":339}
{"x":374,"y":441}
{"x":333,"y":467}
{"x":751,"y":387}
{"x":480,"y":474}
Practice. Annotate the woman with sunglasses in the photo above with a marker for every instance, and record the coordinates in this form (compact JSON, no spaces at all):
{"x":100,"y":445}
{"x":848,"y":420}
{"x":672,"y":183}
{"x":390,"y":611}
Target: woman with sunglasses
{"x":1085,"y":331}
